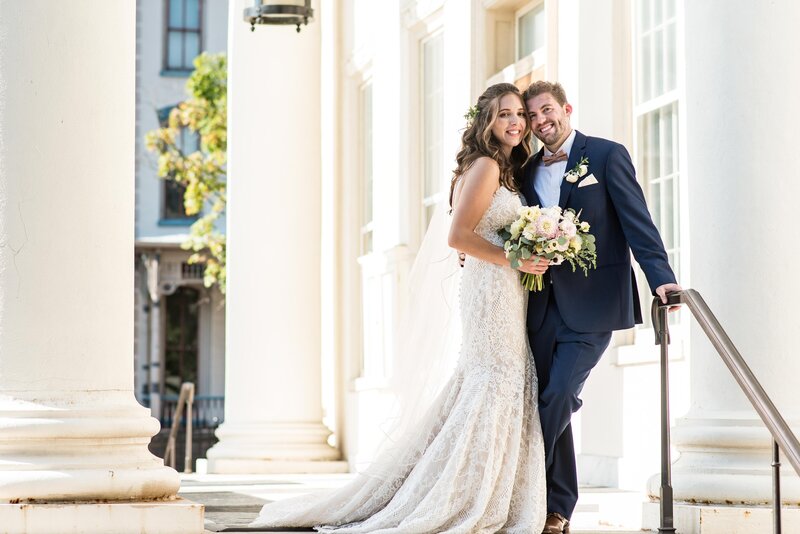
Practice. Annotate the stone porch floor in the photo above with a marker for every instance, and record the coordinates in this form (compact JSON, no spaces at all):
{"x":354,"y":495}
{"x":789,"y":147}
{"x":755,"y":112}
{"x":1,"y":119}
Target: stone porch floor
{"x":232,"y":501}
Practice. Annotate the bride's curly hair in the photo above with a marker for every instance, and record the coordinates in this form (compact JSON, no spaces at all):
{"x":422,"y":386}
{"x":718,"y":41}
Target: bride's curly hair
{"x":478,"y":141}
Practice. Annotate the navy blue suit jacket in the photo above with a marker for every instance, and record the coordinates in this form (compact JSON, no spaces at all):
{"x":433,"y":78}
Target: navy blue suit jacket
{"x":615,"y":208}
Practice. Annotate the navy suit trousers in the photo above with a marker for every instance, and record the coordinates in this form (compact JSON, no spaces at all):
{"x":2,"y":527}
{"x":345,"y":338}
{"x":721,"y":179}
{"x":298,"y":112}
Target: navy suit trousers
{"x":563,"y":360}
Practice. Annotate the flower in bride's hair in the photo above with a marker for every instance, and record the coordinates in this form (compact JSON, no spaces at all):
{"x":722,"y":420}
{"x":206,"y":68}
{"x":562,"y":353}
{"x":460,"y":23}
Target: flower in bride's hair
{"x":470,"y":115}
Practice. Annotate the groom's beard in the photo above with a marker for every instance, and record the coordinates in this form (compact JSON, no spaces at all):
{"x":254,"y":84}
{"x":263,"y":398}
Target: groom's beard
{"x":555,"y":137}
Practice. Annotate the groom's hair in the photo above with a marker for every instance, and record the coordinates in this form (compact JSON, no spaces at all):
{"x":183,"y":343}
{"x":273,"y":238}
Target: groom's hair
{"x":540,"y":87}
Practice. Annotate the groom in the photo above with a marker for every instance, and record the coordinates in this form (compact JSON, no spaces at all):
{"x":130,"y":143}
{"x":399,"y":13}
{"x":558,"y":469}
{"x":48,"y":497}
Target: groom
{"x":571,"y":320}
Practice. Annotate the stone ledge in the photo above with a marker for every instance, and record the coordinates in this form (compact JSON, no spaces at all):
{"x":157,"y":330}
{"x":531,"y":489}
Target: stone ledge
{"x":719,"y":519}
{"x":177,"y":516}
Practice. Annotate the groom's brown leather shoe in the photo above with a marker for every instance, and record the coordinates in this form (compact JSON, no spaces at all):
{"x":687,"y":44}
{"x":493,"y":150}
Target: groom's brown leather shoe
{"x":556,"y":524}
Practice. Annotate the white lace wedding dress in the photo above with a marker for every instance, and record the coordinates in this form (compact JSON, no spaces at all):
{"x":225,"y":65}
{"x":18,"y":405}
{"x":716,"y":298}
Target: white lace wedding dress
{"x":476,"y":463}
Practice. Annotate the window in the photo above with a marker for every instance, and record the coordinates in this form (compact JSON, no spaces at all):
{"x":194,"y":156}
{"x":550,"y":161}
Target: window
{"x":172,"y":207}
{"x":183,"y":35}
{"x":433,"y":161}
{"x":180,"y":339}
{"x":657,"y":117}
{"x":518,"y":30}
{"x":366,"y":168}
{"x":530,"y":31}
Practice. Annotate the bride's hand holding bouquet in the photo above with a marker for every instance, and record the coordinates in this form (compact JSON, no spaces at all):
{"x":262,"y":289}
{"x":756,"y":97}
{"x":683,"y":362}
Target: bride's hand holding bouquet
{"x":552,"y":234}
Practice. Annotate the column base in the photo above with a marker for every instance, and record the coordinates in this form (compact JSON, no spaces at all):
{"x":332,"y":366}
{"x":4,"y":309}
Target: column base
{"x":719,"y":519}
{"x":79,"y":446}
{"x":726,"y":460}
{"x":177,"y":516}
{"x":234,"y":466}
{"x":263,"y":448}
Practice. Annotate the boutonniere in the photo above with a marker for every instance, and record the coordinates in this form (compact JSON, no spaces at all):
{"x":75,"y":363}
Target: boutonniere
{"x":577,"y":172}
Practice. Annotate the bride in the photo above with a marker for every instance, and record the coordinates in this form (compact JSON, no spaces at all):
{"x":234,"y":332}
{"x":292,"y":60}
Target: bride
{"x":475,"y":463}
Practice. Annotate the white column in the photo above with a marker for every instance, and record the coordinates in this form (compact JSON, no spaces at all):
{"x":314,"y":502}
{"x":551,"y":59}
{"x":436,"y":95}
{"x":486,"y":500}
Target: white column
{"x":273,"y":415}
{"x":742,"y":110}
{"x":70,"y":428}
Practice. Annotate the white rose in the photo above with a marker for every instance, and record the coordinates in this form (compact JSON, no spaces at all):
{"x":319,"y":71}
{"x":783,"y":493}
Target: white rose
{"x":585,"y":226}
{"x":568,"y":228}
{"x":516,"y":228}
{"x":583,"y":169}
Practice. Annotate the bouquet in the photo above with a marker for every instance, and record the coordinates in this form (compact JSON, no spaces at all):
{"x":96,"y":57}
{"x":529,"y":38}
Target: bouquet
{"x":550,"y":233}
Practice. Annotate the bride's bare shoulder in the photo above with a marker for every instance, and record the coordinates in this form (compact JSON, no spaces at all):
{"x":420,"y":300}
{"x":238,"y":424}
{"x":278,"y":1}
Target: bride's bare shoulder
{"x":484,"y":168}
{"x":479,"y":182}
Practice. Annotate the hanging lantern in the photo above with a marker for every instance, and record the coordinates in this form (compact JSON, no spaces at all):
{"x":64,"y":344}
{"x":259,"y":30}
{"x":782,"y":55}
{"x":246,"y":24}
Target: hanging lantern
{"x":297,"y":12}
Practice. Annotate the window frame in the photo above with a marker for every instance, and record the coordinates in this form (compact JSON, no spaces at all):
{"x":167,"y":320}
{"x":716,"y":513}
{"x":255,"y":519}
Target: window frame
{"x":428,"y":201}
{"x":641,"y":108}
{"x":164,"y":220}
{"x":367,"y":228}
{"x":183,"y":69}
{"x":528,"y":8}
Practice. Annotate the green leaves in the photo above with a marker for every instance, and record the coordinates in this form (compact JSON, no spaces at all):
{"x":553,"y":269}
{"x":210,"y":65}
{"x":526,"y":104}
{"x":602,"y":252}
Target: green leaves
{"x":202,"y":172}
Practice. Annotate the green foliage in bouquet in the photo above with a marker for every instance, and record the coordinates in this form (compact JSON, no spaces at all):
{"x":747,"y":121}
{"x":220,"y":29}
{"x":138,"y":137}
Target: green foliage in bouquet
{"x":552,"y":234}
{"x":202,"y":173}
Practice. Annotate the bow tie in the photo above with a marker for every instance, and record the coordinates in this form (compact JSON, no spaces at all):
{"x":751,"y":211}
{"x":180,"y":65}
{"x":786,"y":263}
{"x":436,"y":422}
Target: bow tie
{"x":558,"y":156}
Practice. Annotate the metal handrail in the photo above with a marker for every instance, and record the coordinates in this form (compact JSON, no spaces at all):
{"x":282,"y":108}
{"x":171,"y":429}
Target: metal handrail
{"x":783,"y":437}
{"x":186,"y":398}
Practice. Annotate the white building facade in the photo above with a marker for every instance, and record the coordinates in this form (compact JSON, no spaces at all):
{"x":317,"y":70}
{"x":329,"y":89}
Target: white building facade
{"x":395,"y":79}
{"x":406,"y":84}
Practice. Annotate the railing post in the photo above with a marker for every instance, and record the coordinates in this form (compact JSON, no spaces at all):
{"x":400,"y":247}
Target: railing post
{"x":187,"y":458}
{"x":776,"y":487}
{"x":186,"y":397}
{"x":661,"y":325}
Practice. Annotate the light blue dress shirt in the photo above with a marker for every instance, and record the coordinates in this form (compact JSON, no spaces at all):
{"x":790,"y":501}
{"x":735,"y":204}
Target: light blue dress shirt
{"x":547,"y":182}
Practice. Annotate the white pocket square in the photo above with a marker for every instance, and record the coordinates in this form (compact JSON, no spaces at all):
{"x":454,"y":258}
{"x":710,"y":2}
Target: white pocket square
{"x":589,"y":180}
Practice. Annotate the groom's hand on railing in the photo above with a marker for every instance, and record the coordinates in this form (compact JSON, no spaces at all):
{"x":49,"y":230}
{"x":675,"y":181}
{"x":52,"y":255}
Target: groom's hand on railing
{"x":662,"y":291}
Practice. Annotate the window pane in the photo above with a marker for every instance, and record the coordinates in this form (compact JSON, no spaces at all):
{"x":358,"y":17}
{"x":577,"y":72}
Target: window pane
{"x":654,"y":203}
{"x":657,"y":7}
{"x":193,"y":14}
{"x":530,"y":32}
{"x":671,"y":67}
{"x":667,"y":134}
{"x":645,"y":14}
{"x":433,"y":115}
{"x":658,"y":63}
{"x":669,"y":9}
{"x":667,"y":229}
{"x":176,"y":13}
{"x":645,"y":67}
{"x":192,"y":50}
{"x":366,"y":242}
{"x":175,"y":50}
{"x":189,"y":142}
{"x":653,"y":146}
{"x":173,"y":200}
{"x":366,"y":163}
